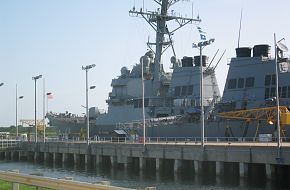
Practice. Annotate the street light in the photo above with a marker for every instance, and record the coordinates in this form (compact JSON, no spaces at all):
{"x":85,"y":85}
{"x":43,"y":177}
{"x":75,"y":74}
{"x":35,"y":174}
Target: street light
{"x":87,"y":68}
{"x":200,"y":46}
{"x":35,"y":124}
{"x":16,"y":111}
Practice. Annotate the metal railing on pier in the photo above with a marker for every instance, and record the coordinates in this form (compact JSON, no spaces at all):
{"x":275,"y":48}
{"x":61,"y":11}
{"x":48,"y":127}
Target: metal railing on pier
{"x":8,"y":143}
{"x":263,"y":141}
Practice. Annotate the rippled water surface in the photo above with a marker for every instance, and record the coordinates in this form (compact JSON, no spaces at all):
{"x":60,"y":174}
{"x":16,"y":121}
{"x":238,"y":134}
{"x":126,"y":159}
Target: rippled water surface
{"x":163,"y":180}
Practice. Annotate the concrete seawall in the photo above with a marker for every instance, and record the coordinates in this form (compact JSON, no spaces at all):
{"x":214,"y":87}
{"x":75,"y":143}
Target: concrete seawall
{"x":239,"y":159}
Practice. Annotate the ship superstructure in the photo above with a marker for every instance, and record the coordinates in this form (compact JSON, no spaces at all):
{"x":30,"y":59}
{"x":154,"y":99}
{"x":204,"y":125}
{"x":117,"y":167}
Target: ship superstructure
{"x":172,"y":99}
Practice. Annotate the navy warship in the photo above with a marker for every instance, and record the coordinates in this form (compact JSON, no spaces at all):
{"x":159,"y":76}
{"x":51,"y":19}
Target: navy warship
{"x":170,"y":103}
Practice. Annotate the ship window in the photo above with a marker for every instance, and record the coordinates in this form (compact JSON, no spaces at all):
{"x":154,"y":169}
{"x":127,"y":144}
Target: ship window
{"x":273,"y":79}
{"x":267,"y":80}
{"x":288,"y":92}
{"x":284,"y":91}
{"x":135,"y":103}
{"x":241,"y":83}
{"x":273,"y":92}
{"x":232,"y":83}
{"x":177,"y":91}
{"x":250,"y":81}
{"x":146,"y":102}
{"x":183,"y":91}
{"x":190,"y":90}
{"x":267,"y":93}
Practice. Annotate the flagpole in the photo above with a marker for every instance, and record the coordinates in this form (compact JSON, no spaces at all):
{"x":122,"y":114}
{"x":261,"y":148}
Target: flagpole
{"x":44,"y":110}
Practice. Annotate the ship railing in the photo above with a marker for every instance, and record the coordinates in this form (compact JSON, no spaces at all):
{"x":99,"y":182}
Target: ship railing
{"x":194,"y":140}
{"x":138,"y":124}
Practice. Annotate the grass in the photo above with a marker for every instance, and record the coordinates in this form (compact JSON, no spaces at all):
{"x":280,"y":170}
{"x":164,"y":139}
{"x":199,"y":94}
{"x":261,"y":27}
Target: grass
{"x":4,"y":185}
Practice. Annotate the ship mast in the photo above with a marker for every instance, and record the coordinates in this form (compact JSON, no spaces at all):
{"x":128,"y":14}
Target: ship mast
{"x":157,"y":20}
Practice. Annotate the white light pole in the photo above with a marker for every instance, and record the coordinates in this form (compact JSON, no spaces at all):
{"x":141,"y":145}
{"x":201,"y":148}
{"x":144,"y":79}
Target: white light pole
{"x":16,"y":111}
{"x":200,"y":46}
{"x":87,"y":68}
{"x":143,"y":105}
{"x":35,"y":121}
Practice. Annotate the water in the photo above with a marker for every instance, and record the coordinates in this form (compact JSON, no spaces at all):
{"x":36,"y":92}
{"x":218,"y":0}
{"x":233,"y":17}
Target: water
{"x":131,"y":178}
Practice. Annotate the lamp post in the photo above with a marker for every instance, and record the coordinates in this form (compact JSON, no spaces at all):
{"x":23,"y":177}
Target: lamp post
{"x":35,"y":123}
{"x":200,"y":46}
{"x":87,"y":68}
{"x":16,"y":111}
{"x":143,"y":104}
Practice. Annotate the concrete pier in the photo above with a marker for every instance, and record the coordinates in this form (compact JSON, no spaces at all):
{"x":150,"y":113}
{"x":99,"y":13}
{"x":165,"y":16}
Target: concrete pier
{"x":142,"y":163}
{"x":220,"y":160}
{"x":113,"y":160}
{"x":219,"y":168}
{"x":243,"y":169}
{"x":270,"y":169}
{"x":157,"y":164}
{"x":177,"y":165}
{"x":197,"y":166}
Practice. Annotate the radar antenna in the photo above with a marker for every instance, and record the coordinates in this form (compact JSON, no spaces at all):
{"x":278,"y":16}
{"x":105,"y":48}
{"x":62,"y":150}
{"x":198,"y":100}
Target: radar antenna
{"x":240,"y":28}
{"x":157,"y":20}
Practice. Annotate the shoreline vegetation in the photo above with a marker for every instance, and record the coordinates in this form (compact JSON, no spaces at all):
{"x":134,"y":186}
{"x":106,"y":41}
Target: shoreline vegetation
{"x":50,"y":131}
{"x":5,"y":185}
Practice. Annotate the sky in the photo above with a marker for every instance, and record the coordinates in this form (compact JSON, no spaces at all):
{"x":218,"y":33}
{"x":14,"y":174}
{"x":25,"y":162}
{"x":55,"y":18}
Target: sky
{"x":56,"y":38}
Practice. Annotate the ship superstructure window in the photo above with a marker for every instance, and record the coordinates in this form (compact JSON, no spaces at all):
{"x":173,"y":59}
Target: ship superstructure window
{"x":241,"y":83}
{"x":250,"y":81}
{"x":177,"y":91}
{"x":273,"y":92}
{"x":120,"y":91}
{"x":190,"y":90}
{"x":183,"y":91}
{"x":267,"y":80}
{"x":284,"y":92}
{"x":138,"y":103}
{"x":267,"y":93}
{"x":273,"y":79}
{"x":232,"y":83}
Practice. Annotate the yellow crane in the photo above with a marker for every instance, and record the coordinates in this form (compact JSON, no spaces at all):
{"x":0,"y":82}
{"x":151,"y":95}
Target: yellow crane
{"x":268,"y":114}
